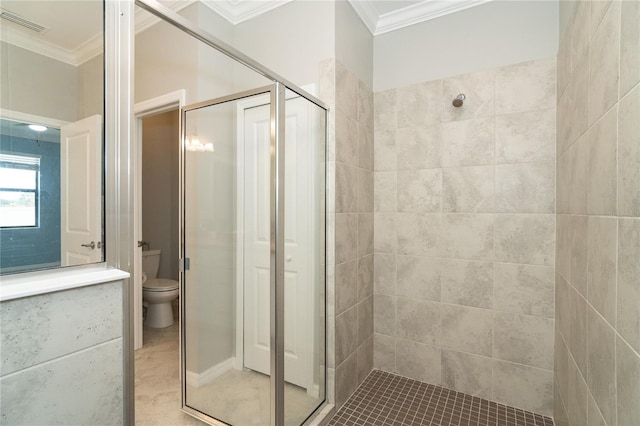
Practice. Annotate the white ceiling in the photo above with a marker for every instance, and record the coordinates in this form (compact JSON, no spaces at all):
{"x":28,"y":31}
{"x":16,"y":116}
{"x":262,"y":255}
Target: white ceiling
{"x":71,"y":33}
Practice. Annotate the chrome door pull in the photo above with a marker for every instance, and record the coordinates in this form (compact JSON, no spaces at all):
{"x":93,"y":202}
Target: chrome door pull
{"x":91,"y":245}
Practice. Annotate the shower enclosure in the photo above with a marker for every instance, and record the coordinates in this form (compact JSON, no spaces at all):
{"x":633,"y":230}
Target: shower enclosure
{"x":252,"y":250}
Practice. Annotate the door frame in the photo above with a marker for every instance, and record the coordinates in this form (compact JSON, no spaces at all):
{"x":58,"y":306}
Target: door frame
{"x":164,"y":103}
{"x":238,"y":364}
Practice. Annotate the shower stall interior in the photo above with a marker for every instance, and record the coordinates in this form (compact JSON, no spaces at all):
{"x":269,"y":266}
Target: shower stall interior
{"x":252,"y":233}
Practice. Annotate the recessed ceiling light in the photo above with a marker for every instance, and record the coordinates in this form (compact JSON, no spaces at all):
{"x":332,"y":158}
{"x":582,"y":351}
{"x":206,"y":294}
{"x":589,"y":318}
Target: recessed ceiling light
{"x":37,"y":127}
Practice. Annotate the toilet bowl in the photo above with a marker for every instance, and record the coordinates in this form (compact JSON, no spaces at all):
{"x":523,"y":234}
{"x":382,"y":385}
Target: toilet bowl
{"x":158,"y":293}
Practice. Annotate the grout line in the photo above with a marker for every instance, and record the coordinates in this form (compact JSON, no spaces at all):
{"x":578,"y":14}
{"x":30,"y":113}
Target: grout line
{"x":61,"y":357}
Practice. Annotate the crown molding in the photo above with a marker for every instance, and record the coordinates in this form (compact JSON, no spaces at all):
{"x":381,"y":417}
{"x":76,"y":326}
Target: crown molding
{"x":414,"y":14}
{"x":367,"y":13}
{"x":236,"y":11}
{"x":145,"y":20}
{"x":18,"y":38}
{"x":87,"y":50}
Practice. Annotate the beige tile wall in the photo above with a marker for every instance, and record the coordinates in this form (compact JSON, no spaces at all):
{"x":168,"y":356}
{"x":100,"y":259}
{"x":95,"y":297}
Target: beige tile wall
{"x":464,"y":233}
{"x":350,"y":228}
{"x":597,"y":357}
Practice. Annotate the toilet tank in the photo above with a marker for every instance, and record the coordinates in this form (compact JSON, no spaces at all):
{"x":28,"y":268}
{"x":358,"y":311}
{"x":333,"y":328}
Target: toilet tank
{"x":151,"y":263}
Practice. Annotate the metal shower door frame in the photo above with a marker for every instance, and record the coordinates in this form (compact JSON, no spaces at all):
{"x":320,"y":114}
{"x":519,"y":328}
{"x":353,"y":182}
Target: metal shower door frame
{"x":276,"y":194}
{"x":277,"y":110}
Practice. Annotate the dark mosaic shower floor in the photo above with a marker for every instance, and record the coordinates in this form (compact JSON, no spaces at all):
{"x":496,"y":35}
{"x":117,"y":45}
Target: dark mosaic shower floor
{"x":388,"y":399}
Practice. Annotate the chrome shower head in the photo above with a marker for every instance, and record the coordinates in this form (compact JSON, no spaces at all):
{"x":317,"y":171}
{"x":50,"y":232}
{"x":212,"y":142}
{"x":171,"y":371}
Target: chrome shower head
{"x":458,"y":101}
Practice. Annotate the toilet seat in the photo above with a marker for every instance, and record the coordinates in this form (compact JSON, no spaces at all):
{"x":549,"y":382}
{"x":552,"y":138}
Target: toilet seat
{"x":160,"y":285}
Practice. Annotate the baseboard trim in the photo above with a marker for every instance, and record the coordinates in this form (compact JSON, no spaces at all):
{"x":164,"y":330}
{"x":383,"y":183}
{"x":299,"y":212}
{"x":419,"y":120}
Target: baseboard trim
{"x":197,"y":380}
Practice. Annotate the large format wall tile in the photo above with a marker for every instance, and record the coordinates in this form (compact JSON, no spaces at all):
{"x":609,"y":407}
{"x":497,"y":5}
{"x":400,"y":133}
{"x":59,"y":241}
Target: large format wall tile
{"x":629,"y":153}
{"x":346,"y":188}
{"x":418,"y":278}
{"x":346,"y":380}
{"x":628,"y":324}
{"x":601,"y":279}
{"x":525,"y":239}
{"x":365,"y":320}
{"x":84,"y":388}
{"x":41,"y":328}
{"x":577,"y":337}
{"x":384,"y":233}
{"x":468,"y":189}
{"x":346,"y":334}
{"x":467,"y":283}
{"x":464,"y":228}
{"x":419,"y":234}
{"x":386,"y":190}
{"x":384,"y":352}
{"x":467,"y":373}
{"x":384,"y":314}
{"x":418,"y":361}
{"x":346,"y":288}
{"x":418,"y":320}
{"x":628,"y":383}
{"x":524,"y":339}
{"x":598,"y":312}
{"x":346,"y":237}
{"x":528,"y":86}
{"x":468,"y":236}
{"x":384,"y":145}
{"x":384,"y":110}
{"x":526,"y":136}
{"x":601,"y":361}
{"x":365,"y":234}
{"x":419,"y":104}
{"x":364,"y":360}
{"x":365,"y":277}
{"x":467,"y":329}
{"x":629,"y":46}
{"x":420,"y":191}
{"x":418,"y":147}
{"x":384,"y":275}
{"x":525,"y":387}
{"x":602,"y":166}
{"x":524,"y":289}
{"x":468,"y":143}
{"x":604,"y":67}
{"x":525,"y":188}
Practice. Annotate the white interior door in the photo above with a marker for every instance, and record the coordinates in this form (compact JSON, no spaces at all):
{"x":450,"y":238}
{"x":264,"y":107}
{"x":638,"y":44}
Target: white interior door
{"x":298,"y":339}
{"x":80,"y":191}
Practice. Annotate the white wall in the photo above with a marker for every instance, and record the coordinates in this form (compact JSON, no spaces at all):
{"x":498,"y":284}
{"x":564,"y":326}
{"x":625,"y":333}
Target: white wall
{"x":91,"y":87}
{"x":491,"y":35}
{"x":37,"y":84}
{"x":291,"y":40}
{"x":354,"y":43}
{"x":166,"y":60}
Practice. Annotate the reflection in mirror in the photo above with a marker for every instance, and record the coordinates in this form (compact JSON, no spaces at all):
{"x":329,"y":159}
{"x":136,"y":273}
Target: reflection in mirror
{"x":51,"y":129}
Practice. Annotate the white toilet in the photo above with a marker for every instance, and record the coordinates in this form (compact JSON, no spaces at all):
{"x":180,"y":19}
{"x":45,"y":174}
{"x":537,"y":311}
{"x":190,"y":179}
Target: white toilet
{"x":157,"y":292}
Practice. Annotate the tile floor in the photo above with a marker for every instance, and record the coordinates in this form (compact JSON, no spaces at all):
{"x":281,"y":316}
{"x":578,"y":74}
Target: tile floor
{"x":382,"y":399}
{"x":238,"y":397}
{"x":388,"y":399}
{"x":158,"y":380}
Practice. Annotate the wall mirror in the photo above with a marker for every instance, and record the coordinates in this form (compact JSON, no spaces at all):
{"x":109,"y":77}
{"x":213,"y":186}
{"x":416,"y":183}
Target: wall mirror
{"x":52,"y":133}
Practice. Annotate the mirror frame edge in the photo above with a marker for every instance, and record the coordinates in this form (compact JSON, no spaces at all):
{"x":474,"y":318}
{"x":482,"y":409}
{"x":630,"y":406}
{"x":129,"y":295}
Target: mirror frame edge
{"x":119,"y":36}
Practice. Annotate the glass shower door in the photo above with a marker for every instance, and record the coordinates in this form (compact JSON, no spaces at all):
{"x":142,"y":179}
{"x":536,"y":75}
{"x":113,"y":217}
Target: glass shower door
{"x":219,"y":236}
{"x":229,"y":182}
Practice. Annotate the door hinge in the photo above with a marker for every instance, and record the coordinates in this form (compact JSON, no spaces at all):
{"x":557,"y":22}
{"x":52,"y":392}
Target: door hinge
{"x":184,"y":264}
